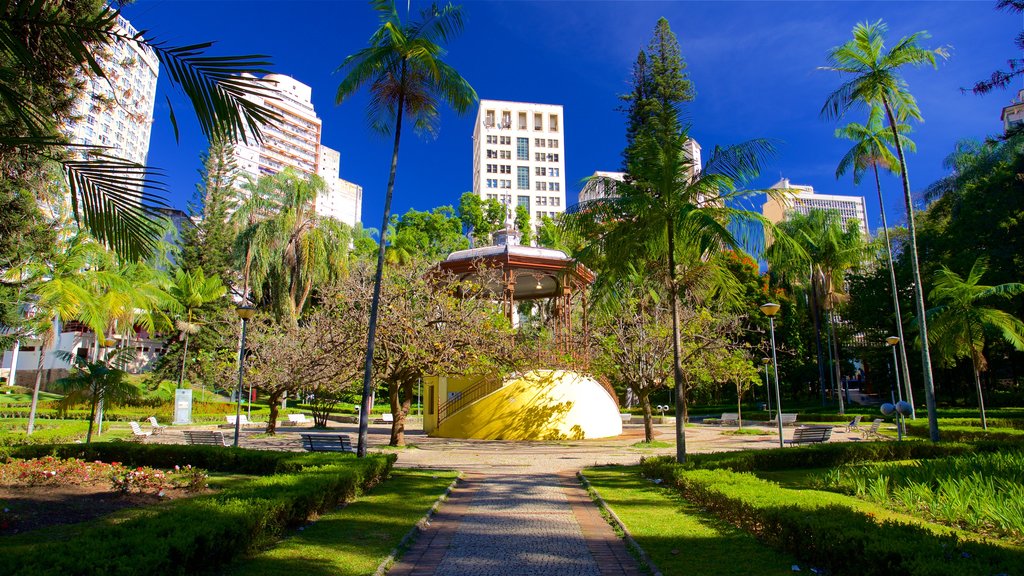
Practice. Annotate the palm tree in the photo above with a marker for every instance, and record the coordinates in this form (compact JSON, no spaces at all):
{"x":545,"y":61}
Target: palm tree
{"x":96,"y":382}
{"x":406,"y":75}
{"x":192,"y":290}
{"x":960,"y":322}
{"x":871,"y":150}
{"x":671,"y":211}
{"x":829,"y":250}
{"x":292,"y":249}
{"x":875,"y":80}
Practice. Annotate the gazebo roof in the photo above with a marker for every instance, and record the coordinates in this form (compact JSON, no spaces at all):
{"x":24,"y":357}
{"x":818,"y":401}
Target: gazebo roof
{"x":538,"y":272}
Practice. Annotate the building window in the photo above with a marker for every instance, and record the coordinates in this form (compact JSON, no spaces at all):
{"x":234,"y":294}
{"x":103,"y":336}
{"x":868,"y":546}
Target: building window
{"x":539,"y":171}
{"x":523,"y":178}
{"x":522,"y":120}
{"x":492,"y":153}
{"x":492,"y":183}
{"x":538,"y":122}
{"x":541,"y":186}
{"x":553,"y":172}
{"x":555,"y":200}
{"x":506,"y":140}
{"x":553,"y":143}
{"x":505,"y":169}
{"x":492,"y":168}
{"x":538,"y":142}
{"x":552,"y":157}
{"x":489,"y":118}
{"x":522,"y":148}
{"x":554,"y":187}
{"x":542,"y":200}
{"x":505,"y":154}
{"x":506,"y":119}
{"x":540,"y":215}
{"x":538,"y":156}
{"x":523,"y":201}
{"x":553,"y":122}
{"x":505,"y":184}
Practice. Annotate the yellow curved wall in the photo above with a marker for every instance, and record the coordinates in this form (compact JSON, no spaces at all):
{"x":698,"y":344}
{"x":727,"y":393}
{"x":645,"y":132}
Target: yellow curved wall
{"x":540,"y":405}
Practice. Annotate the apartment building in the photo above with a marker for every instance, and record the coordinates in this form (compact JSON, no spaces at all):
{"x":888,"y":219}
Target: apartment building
{"x":599,"y":183}
{"x":1013,"y":115}
{"x":519,"y":156}
{"x":117,"y":111}
{"x":803,"y":199}
{"x":295,"y":142}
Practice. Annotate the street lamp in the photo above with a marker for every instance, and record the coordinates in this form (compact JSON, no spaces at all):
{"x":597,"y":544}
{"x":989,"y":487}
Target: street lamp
{"x":770,"y":310}
{"x":900,"y":409}
{"x":892,"y":341}
{"x":767,"y":384}
{"x":245,"y":313}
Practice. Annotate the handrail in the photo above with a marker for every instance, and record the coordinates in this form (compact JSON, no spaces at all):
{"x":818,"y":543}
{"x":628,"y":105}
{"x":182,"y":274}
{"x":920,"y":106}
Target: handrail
{"x":482,"y":387}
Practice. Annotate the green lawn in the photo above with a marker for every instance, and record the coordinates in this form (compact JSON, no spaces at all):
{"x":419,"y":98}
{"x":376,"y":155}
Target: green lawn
{"x":22,"y":398}
{"x":680,"y":539}
{"x":355,"y":539}
{"x":47,"y":430}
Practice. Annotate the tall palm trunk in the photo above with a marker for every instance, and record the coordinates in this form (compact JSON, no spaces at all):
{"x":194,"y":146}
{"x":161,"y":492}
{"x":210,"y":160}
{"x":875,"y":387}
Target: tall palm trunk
{"x":896,"y":300}
{"x":926,"y":359}
{"x":367,"y":400}
{"x":677,"y":367}
{"x":834,"y":352}
{"x":184,"y":354}
{"x":12,"y":378}
{"x":816,"y":319}
{"x":977,"y":379}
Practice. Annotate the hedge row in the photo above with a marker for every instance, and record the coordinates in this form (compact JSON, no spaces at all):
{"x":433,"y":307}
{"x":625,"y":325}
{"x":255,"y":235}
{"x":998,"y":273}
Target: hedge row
{"x":201,"y":412}
{"x":966,"y":433}
{"x":819,"y":528}
{"x":830,"y":455}
{"x":198,"y":535}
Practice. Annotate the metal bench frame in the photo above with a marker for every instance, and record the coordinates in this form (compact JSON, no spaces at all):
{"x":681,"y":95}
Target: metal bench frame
{"x":327,"y":443}
{"x":811,"y":434}
{"x":204,"y":438}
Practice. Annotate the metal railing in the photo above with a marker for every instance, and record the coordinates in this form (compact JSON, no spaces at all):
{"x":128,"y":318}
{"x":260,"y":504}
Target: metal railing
{"x":482,"y":387}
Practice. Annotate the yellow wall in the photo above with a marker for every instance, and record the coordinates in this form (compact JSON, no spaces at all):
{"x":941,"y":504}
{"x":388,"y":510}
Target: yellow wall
{"x":540,"y":405}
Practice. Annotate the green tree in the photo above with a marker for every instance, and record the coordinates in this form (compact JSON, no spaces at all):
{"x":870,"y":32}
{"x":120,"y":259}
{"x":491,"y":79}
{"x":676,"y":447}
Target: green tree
{"x":99,"y":381}
{"x":481,"y":217}
{"x":870,"y":149}
{"x":405,"y":72}
{"x":523,"y":225}
{"x":192,"y":290}
{"x":875,"y":79}
{"x":435,"y":234}
{"x":961,"y":322}
{"x":209,"y":244}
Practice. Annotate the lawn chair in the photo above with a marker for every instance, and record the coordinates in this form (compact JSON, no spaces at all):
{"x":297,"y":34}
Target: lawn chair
{"x":137,"y":430}
{"x":873,"y":433}
{"x":855,"y":423}
{"x":157,"y":428}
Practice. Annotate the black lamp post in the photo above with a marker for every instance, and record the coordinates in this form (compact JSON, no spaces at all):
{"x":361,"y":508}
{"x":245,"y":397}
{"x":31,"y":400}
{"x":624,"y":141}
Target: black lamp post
{"x":770,"y":310}
{"x":245,"y":313}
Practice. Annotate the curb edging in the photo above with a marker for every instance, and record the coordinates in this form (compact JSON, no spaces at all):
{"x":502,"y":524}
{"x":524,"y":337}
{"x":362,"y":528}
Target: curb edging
{"x":614,"y":519}
{"x":420,"y":526}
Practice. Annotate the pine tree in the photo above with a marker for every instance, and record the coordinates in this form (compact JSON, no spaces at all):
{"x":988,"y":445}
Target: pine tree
{"x":209,"y":245}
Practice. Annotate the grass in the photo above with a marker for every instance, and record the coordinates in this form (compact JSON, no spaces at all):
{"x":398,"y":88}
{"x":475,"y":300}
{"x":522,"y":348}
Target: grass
{"x":680,"y":539}
{"x":355,"y":539}
{"x":22,"y":398}
{"x":749,"y":432}
{"x":12,"y":431}
{"x":652,"y":444}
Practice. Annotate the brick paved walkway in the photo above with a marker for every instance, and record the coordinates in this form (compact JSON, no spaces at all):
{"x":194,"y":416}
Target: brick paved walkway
{"x":533,"y":524}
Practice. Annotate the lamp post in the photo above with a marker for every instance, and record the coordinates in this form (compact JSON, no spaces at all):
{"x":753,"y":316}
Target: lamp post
{"x":892,"y":341}
{"x":767,"y":384}
{"x":770,"y":310}
{"x":245,"y":313}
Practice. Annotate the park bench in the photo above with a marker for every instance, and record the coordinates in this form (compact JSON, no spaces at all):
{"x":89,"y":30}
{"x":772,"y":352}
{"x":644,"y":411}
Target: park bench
{"x":787,"y":420}
{"x":157,"y":428}
{"x":626,"y":418}
{"x":385,"y":419}
{"x":297,"y":419}
{"x":137,"y":430}
{"x":729,"y":418}
{"x":327,"y":443}
{"x":855,"y":423}
{"x":204,"y":437}
{"x":811,"y":434}
{"x":873,"y":433}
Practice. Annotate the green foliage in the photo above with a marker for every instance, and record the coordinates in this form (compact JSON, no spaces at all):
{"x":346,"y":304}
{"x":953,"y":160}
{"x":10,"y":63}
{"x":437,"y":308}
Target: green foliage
{"x":827,"y":530}
{"x":431,"y":236}
{"x":481,"y":217}
{"x":201,"y":533}
{"x":523,"y":224}
{"x":979,"y":492}
{"x":209,"y":244}
{"x":955,"y":433}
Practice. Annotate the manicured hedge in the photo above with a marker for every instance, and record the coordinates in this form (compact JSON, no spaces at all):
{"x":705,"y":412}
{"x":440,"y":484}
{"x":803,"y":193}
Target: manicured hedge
{"x":195,"y":535}
{"x":819,"y":528}
{"x":828,"y":455}
{"x":966,"y":433}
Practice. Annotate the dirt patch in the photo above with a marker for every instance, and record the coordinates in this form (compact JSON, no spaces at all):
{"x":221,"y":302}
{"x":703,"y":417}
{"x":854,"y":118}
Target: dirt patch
{"x":32,"y":507}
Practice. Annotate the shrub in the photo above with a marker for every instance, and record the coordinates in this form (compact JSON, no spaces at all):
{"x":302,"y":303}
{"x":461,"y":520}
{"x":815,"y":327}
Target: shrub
{"x":820,"y":528}
{"x":828,"y":455}
{"x":198,"y":535}
{"x":967,"y":433}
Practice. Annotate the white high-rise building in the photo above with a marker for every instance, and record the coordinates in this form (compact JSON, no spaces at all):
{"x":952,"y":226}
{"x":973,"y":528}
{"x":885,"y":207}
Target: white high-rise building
{"x":294,"y":142}
{"x":597,"y":185}
{"x":803,"y":199}
{"x":117,"y":111}
{"x":519,"y":156}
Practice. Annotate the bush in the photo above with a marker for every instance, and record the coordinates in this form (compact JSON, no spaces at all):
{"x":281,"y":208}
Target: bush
{"x":819,"y":528}
{"x":199,"y":534}
{"x":966,"y":433}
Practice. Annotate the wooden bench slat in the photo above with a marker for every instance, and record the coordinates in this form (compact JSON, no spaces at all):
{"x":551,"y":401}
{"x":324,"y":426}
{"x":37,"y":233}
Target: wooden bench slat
{"x":204,"y":437}
{"x":327,"y":443}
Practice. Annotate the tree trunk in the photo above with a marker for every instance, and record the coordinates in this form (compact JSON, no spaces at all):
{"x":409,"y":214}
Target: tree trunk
{"x":816,"y":318}
{"x":739,"y":406}
{"x":677,"y":367}
{"x":645,"y":404}
{"x":896,"y":301}
{"x":835,"y":362}
{"x":371,"y":332}
{"x":274,"y":399}
{"x":184,"y":356}
{"x":12,"y":379}
{"x":400,"y":407}
{"x":35,"y":390}
{"x":922,"y":322}
{"x":92,"y":413}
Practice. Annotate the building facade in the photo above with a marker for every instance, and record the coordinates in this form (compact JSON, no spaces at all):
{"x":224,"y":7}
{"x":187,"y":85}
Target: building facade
{"x":1013,"y":115}
{"x":598,"y":185}
{"x":803,"y":199}
{"x":295,"y":142}
{"x":519,"y":156}
{"x":117,"y":111}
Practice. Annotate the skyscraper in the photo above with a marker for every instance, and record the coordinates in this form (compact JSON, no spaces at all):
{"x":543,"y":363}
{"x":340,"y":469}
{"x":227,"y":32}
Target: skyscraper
{"x":294,"y":142}
{"x":117,"y":111}
{"x":519,"y":156}
{"x":803,"y":199}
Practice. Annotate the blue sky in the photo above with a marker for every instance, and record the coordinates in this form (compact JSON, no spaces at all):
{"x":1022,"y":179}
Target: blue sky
{"x":754,"y":66}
